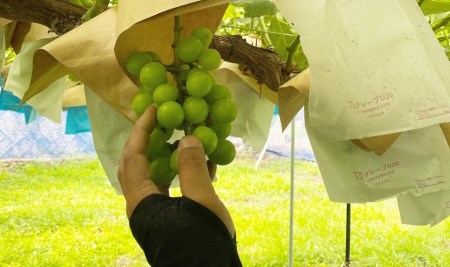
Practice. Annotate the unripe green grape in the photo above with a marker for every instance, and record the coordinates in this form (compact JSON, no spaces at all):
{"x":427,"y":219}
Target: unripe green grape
{"x":165,"y":92}
{"x":210,"y":59}
{"x":218,"y":92}
{"x":194,"y":70}
{"x":203,"y":34}
{"x":188,"y":49}
{"x":140,"y":103}
{"x":224,"y":153}
{"x":174,"y":161}
{"x":170,"y":114}
{"x":160,"y":172}
{"x":136,"y":61}
{"x":199,"y":83}
{"x":223,"y":111}
{"x":167,"y":133}
{"x":153,"y":74}
{"x":156,"y":143}
{"x":222,"y":130}
{"x":165,"y":151}
{"x":145,"y":89}
{"x":195,"y":109}
{"x":207,"y":137}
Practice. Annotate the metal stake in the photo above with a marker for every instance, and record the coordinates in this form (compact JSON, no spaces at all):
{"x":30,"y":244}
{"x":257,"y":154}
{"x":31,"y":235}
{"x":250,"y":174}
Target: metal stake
{"x":347,"y":236}
{"x":291,"y":214}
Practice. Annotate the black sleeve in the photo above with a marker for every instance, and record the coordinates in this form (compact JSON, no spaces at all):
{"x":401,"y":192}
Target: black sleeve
{"x":181,"y":232}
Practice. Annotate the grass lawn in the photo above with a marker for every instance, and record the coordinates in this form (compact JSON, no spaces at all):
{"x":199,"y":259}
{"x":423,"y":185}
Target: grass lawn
{"x":67,"y":214}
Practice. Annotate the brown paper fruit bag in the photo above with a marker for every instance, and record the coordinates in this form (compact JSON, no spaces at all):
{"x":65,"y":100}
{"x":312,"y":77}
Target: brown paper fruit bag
{"x":89,"y":51}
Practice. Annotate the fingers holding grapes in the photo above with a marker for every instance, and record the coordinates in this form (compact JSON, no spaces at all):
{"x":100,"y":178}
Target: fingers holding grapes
{"x":133,"y":174}
{"x":195,"y":104}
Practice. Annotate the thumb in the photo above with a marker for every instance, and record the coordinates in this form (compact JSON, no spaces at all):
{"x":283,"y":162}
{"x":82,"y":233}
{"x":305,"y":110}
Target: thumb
{"x":195,"y":181}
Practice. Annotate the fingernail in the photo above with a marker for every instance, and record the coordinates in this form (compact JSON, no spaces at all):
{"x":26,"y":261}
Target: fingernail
{"x":189,"y":141}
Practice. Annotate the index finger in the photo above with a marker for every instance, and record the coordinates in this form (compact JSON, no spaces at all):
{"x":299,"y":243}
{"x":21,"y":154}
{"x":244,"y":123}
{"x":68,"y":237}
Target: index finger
{"x":140,"y":135}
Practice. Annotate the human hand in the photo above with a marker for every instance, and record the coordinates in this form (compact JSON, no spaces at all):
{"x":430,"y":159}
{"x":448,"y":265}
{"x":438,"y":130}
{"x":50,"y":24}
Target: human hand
{"x":194,"y":172}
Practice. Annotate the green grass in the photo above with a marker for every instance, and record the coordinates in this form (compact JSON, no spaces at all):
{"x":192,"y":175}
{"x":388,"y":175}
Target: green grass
{"x":67,"y":214}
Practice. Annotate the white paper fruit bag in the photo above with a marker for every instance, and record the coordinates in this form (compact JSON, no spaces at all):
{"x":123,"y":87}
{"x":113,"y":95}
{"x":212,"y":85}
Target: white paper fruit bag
{"x":428,"y":209}
{"x":417,"y":162}
{"x":377,"y":67}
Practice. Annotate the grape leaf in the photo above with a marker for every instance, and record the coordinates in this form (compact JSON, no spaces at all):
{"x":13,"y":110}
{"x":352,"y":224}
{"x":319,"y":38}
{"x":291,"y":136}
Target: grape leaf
{"x":435,"y":6}
{"x":258,"y":8}
{"x":281,"y":35}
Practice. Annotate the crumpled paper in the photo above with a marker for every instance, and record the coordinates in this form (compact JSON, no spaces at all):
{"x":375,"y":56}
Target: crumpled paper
{"x":428,"y":209}
{"x":87,"y":52}
{"x":49,"y":102}
{"x":110,"y":131}
{"x":292,"y":96}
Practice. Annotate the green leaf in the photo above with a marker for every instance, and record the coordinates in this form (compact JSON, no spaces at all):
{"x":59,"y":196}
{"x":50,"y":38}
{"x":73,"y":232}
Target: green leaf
{"x":435,"y":6}
{"x":300,"y":59}
{"x":258,"y":8}
{"x":280,"y":32}
{"x":441,"y":23}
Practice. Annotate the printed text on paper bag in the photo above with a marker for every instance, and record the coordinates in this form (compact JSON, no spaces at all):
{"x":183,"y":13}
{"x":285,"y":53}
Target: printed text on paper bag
{"x":373,"y":108}
{"x":377,"y":176}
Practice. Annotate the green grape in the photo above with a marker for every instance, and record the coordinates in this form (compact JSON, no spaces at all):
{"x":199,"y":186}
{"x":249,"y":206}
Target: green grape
{"x":136,"y":61}
{"x":203,"y":34}
{"x":174,"y":161}
{"x":165,"y":92}
{"x":210,"y":59}
{"x":218,"y":91}
{"x":199,"y":83}
{"x":140,"y":103}
{"x":224,"y":153}
{"x":207,"y":137}
{"x":188,"y":49}
{"x":170,"y":114}
{"x":223,"y":111}
{"x":165,"y":151}
{"x":144,"y":89}
{"x":222,"y":130}
{"x":167,"y":133}
{"x":156,"y":143}
{"x":195,"y":109}
{"x":160,"y":171}
{"x":153,"y":74}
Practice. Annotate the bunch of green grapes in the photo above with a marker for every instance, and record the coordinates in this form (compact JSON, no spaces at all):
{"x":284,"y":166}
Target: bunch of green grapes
{"x":195,"y":103}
